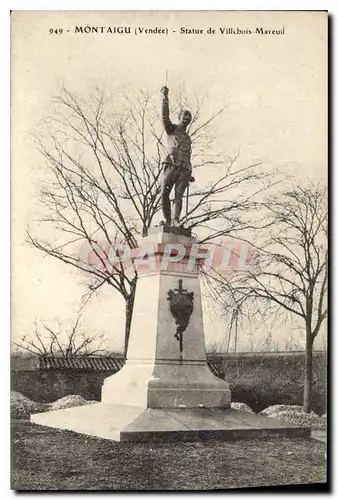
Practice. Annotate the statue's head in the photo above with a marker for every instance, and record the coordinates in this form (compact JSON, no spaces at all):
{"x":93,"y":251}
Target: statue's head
{"x":185,"y":117}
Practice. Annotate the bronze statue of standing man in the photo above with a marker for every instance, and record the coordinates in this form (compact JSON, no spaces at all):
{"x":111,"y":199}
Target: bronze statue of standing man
{"x":177,"y":165}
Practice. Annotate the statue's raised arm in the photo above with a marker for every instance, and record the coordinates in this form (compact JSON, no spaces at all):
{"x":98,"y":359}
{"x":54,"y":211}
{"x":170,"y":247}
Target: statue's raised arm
{"x":168,"y":126}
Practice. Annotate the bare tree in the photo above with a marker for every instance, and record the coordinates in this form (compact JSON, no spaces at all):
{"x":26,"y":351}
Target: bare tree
{"x":291,"y":272}
{"x":46,"y":342}
{"x":231,"y":304}
{"x":102,"y":185}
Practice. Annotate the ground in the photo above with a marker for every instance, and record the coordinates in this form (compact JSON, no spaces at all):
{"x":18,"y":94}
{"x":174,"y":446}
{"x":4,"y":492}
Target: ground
{"x":52,"y":459}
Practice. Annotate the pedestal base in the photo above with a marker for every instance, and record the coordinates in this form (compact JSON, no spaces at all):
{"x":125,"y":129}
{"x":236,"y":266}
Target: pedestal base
{"x":187,"y":384}
{"x":127,"y":423}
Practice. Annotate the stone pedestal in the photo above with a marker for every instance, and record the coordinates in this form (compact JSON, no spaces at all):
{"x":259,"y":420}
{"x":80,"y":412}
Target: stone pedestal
{"x":165,"y":391}
{"x":159,"y":372}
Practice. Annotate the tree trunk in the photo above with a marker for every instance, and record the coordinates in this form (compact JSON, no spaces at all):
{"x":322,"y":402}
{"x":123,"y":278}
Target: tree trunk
{"x":308,"y":372}
{"x":129,"y":314}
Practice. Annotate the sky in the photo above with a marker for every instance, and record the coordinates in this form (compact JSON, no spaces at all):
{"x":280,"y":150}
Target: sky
{"x":274,"y":87}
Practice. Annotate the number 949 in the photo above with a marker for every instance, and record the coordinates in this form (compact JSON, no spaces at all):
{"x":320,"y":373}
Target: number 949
{"x":55,"y":31}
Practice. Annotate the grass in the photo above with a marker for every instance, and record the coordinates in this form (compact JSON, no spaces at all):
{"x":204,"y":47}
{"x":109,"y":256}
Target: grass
{"x":52,"y":459}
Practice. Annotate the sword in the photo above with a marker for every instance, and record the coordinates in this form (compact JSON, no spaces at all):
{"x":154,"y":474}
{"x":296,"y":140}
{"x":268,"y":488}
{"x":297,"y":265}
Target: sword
{"x":186,"y":203}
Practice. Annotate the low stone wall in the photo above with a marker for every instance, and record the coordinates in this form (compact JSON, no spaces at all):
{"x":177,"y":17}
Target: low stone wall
{"x":257,"y":379}
{"x":47,"y":380}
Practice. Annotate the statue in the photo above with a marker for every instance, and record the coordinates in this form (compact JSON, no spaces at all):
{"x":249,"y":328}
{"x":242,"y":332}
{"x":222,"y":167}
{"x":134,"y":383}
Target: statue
{"x":177,"y":166}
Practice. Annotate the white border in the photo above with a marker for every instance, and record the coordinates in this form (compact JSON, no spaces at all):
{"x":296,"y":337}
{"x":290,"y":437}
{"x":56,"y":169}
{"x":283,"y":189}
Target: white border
{"x":5,"y":7}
